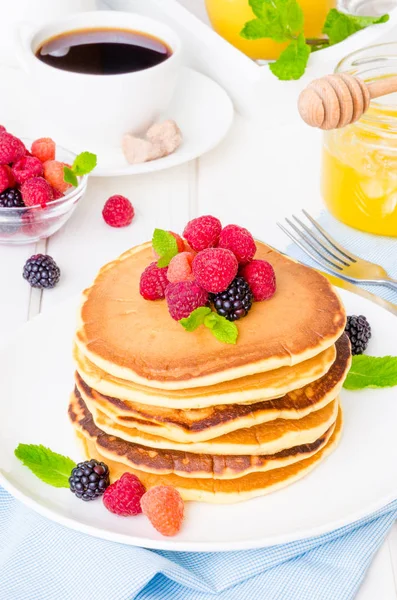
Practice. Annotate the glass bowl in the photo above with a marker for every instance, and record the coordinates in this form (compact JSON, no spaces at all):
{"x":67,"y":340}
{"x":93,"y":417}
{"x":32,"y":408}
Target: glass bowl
{"x":31,"y":223}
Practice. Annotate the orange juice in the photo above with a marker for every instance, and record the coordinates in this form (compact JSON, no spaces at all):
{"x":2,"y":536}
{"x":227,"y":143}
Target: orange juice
{"x":228,"y":17}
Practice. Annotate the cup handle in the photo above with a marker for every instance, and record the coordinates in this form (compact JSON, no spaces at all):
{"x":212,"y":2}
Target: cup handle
{"x":22,"y":34}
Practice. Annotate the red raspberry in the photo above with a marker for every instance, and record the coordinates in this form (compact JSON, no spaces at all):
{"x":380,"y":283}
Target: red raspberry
{"x":36,"y":191}
{"x":118,"y":211}
{"x":53,"y":173}
{"x":180,"y":267}
{"x":2,"y":128}
{"x":27,"y":167}
{"x":184,"y":297}
{"x":215,"y":269}
{"x":164,"y":508}
{"x":203,"y":232}
{"x":239,"y":241}
{"x":123,"y":497}
{"x":56,"y":194}
{"x":153,"y":282}
{"x":261,"y":278}
{"x":11,"y":148}
{"x":6,"y":178}
{"x":43,"y":149}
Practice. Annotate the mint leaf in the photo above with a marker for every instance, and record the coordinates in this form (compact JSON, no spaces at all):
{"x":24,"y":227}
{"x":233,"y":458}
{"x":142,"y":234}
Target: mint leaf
{"x":50,"y":467}
{"x":195,"y":319}
{"x":255,"y":30}
{"x":165,"y":246}
{"x":256,"y":6}
{"x":70,"y":177}
{"x":292,"y":62}
{"x":279,"y":20}
{"x":371,"y":372}
{"x":84,"y":163}
{"x":339,"y":25}
{"x":221,"y":328}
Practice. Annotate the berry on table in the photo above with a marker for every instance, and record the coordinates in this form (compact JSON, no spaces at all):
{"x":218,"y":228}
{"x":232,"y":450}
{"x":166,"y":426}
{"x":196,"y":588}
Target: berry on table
{"x":203,"y":232}
{"x":164,"y":507}
{"x":261,"y":278}
{"x":54,"y":175}
{"x":123,"y":497}
{"x":214,"y":269}
{"x":6,"y":178}
{"x":239,"y":241}
{"x":36,"y":191}
{"x":11,"y":198}
{"x":41,"y":271}
{"x":359,"y":332}
{"x":235,"y":302}
{"x":27,"y":167}
{"x":11,"y":148}
{"x":184,"y":297}
{"x":153,"y":282}
{"x":118,"y":211}
{"x":180,"y":267}
{"x":89,"y":479}
{"x":43,"y":149}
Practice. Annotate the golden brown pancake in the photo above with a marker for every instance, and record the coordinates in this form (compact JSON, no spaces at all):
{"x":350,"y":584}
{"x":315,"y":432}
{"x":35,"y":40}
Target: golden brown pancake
{"x":204,"y":424}
{"x":136,"y":340}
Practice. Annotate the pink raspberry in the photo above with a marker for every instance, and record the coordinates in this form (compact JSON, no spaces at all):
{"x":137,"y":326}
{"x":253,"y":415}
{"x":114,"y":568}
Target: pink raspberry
{"x":261,"y":278}
{"x":11,"y":148}
{"x":27,"y":167}
{"x":6,"y":178}
{"x":36,"y":191}
{"x":163,"y":506}
{"x":2,"y":128}
{"x":123,"y":497}
{"x":118,"y":211}
{"x":53,"y":173}
{"x":180,"y":267}
{"x":239,"y":241}
{"x":153,"y":282}
{"x":203,"y":232}
{"x":215,"y":269}
{"x":44,"y":149}
{"x":184,"y":297}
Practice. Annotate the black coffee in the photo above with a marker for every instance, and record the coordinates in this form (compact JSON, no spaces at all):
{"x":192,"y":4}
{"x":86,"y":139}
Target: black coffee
{"x":103,"y":51}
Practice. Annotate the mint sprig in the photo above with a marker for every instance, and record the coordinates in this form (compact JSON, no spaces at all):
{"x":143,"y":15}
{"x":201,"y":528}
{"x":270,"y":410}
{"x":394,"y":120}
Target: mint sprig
{"x":371,"y":372}
{"x":338,"y":25}
{"x":165,"y":246}
{"x":83,"y":164}
{"x":50,"y":467}
{"x":224,"y":330}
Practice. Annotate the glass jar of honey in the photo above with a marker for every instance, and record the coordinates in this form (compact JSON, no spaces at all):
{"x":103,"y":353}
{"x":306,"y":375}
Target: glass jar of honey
{"x":359,"y":172}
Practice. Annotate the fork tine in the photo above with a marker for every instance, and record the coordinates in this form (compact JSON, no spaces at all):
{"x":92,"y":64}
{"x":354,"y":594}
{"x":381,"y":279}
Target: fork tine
{"x":312,"y":246}
{"x":318,"y":241}
{"x":302,"y":246}
{"x":330,"y":239}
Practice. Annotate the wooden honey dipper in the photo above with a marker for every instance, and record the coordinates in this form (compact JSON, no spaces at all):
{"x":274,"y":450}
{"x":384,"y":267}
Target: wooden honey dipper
{"x":337,"y":100}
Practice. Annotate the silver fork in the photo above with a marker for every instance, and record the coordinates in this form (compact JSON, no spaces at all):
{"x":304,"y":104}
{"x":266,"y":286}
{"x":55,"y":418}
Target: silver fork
{"x":328,"y":253}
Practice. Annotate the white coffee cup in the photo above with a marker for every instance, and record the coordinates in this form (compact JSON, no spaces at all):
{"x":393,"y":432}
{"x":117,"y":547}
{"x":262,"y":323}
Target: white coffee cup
{"x":100,"y":108}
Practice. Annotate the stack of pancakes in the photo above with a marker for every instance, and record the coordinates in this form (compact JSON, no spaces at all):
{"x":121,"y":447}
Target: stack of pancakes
{"x":220,"y":422}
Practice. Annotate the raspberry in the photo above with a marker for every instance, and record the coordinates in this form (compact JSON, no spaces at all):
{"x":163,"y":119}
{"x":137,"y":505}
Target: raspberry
{"x":123,"y":497}
{"x":6,"y":178}
{"x":53,"y":173}
{"x":153,"y":282}
{"x":36,"y":191}
{"x":2,"y":128}
{"x":239,"y":241}
{"x":11,"y":148}
{"x":27,"y":167}
{"x":215,"y":269}
{"x":184,"y":297}
{"x":43,"y":149}
{"x":203,"y":232}
{"x":164,"y":508}
{"x":56,"y":194}
{"x":118,"y":211}
{"x":261,"y":278}
{"x":180,"y":267}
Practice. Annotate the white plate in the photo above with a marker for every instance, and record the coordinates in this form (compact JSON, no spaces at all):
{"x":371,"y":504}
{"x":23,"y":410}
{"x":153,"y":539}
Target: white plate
{"x":358,"y":478}
{"x":201,"y":108}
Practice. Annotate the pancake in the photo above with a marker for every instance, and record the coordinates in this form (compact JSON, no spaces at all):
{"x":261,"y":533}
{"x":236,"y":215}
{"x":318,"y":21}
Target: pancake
{"x":185,"y":464}
{"x":216,"y":490}
{"x":246,"y":390}
{"x":204,"y":424}
{"x":136,"y":340}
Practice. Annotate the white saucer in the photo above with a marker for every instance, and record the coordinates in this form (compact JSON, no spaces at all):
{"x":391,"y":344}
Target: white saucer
{"x":201,"y":108}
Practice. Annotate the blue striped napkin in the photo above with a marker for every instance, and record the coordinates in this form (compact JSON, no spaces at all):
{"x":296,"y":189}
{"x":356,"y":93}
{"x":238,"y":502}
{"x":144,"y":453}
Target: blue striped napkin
{"x":40,"y":560}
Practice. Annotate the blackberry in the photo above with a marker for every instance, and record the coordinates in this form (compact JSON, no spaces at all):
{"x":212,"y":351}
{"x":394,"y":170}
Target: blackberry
{"x":89,"y":479}
{"x":359,"y":331}
{"x":11,"y":198}
{"x":41,"y":271}
{"x":235,"y":302}
{"x":11,"y":220}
